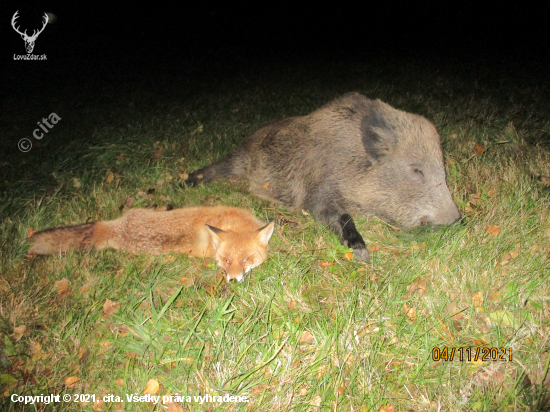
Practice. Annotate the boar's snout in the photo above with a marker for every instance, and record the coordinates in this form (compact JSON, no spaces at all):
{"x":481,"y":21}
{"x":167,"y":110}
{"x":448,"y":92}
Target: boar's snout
{"x":441,"y":220}
{"x":446,"y":216}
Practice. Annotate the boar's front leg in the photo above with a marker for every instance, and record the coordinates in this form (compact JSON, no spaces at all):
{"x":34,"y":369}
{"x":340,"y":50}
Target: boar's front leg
{"x":342,"y":224}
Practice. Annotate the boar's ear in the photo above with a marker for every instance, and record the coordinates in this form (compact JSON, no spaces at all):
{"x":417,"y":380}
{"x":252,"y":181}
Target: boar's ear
{"x":377,"y":136}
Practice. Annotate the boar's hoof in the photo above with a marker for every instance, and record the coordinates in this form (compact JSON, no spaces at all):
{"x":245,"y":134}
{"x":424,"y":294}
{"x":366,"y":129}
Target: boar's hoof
{"x":361,"y":254}
{"x":194,"y":179}
{"x":352,"y":238}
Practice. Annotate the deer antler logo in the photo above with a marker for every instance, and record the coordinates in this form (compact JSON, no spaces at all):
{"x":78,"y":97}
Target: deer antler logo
{"x":29,"y":40}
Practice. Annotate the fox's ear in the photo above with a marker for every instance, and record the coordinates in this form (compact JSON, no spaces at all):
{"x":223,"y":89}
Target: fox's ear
{"x":264,"y":233}
{"x":214,"y":235}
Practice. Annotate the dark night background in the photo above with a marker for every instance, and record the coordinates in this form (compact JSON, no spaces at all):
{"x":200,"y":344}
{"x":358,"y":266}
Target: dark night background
{"x":91,"y":40}
{"x":95,"y":44}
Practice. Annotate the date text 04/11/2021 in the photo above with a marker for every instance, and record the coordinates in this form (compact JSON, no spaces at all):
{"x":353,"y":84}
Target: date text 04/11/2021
{"x":472,"y":354}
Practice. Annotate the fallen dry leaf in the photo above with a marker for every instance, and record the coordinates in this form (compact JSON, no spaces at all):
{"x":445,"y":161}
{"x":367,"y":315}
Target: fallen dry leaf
{"x":452,"y":309}
{"x":316,"y":401}
{"x":418,"y":287}
{"x":319,"y":242}
{"x":152,"y":387}
{"x":174,"y":407}
{"x":18,"y":332}
{"x":446,"y":331}
{"x":348,"y":256}
{"x":98,"y":404}
{"x":410,"y":312}
{"x":109,"y":308}
{"x":168,"y":258}
{"x":306,"y":337}
{"x":457,"y":325}
{"x":493,"y":230}
{"x":484,"y":377}
{"x":211,"y":290}
{"x":479,"y":149}
{"x":157,"y":154}
{"x":187,"y":282}
{"x":265,"y":185}
{"x":508,"y":256}
{"x":292,"y":304}
{"x":71,"y":381}
{"x":388,"y":408}
{"x":83,"y":354}
{"x":110,"y":177}
{"x":30,"y":232}
{"x":36,"y":350}
{"x":469,"y":210}
{"x":475,"y":199}
{"x":62,"y":287}
{"x":477,"y":299}
{"x":259,"y":389}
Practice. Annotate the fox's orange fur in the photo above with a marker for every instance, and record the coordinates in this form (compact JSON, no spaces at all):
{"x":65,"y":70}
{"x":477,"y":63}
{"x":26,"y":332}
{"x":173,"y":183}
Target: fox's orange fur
{"x":233,"y":236}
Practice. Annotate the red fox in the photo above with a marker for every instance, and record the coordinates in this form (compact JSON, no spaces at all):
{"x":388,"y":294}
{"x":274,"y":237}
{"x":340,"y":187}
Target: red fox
{"x":232,"y":236}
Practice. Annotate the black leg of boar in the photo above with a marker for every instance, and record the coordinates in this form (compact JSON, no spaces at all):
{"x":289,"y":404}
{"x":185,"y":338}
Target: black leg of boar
{"x":342,"y":223}
{"x":324,"y":205}
{"x":354,"y":156}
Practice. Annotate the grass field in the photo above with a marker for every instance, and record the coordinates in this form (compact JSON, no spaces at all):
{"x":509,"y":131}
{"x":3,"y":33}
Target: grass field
{"x":308,"y":329}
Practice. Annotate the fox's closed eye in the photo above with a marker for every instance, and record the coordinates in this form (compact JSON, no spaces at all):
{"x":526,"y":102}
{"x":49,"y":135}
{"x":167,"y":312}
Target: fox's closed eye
{"x":245,"y":260}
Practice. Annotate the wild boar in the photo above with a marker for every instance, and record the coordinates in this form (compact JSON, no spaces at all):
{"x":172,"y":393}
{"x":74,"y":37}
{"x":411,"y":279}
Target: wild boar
{"x":353,"y":156}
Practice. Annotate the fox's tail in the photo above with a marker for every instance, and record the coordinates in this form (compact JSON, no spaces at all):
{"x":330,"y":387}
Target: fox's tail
{"x":62,"y":239}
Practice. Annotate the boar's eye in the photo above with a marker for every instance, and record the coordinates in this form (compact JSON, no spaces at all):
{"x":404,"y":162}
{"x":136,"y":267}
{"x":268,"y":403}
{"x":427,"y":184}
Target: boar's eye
{"x":416,"y":170}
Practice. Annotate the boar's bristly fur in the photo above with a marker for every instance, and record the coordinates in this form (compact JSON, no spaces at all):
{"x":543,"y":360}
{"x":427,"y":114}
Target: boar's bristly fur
{"x":353,"y":156}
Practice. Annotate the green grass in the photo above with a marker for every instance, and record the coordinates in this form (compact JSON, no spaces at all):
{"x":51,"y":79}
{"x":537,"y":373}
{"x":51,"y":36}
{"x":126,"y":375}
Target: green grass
{"x":307,"y":329}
